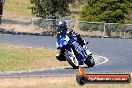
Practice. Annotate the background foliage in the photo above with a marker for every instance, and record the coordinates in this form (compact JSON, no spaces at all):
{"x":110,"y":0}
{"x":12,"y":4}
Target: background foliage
{"x":110,"y":11}
{"x":50,"y":8}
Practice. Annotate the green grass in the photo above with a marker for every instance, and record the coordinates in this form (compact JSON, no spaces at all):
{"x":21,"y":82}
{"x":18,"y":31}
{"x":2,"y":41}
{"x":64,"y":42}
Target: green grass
{"x":23,"y":58}
{"x":8,"y":59}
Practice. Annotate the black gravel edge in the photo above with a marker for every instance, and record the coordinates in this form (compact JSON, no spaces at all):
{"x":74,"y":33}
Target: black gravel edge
{"x":4,"y":31}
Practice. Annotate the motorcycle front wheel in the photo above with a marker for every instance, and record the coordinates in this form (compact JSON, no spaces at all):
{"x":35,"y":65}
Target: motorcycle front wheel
{"x":89,"y":61}
{"x":71,"y":58}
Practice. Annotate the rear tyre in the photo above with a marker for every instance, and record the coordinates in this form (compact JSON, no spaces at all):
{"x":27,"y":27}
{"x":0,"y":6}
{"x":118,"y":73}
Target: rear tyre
{"x":90,"y":61}
{"x":71,"y":58}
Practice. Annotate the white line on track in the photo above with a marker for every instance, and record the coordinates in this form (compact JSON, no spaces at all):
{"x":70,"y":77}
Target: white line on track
{"x":105,"y":60}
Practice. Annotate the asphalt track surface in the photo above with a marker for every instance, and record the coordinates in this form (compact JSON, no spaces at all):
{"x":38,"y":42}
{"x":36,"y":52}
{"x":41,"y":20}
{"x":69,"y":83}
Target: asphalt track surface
{"x":118,"y":52}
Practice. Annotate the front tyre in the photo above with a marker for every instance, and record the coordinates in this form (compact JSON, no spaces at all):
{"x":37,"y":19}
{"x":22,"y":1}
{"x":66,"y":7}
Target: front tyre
{"x":71,"y":58}
{"x":89,"y":61}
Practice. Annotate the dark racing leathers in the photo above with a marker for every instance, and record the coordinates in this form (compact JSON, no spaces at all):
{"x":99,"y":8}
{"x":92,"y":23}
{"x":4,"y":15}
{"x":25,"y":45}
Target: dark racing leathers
{"x":71,"y":33}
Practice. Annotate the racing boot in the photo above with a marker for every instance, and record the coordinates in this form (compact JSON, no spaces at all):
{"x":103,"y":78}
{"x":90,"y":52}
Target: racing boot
{"x":60,"y":57}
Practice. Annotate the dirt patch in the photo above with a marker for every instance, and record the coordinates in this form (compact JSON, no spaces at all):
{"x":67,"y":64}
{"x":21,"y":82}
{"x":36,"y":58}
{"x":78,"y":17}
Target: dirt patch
{"x":33,"y":81}
{"x":19,"y":28}
{"x":53,"y":82}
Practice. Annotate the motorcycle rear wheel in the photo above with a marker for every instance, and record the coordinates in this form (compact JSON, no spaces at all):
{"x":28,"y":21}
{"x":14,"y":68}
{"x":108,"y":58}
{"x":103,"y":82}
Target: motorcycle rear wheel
{"x":90,"y":61}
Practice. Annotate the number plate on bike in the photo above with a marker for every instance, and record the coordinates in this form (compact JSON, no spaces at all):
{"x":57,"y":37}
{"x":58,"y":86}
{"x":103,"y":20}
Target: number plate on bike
{"x":78,"y":48}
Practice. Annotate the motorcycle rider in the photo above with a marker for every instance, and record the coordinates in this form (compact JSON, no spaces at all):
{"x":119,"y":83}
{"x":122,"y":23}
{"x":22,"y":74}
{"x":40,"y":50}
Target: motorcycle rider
{"x":62,"y":30}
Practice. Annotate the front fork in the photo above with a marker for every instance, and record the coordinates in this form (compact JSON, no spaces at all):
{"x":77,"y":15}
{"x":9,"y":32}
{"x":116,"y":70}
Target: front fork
{"x":85,"y":54}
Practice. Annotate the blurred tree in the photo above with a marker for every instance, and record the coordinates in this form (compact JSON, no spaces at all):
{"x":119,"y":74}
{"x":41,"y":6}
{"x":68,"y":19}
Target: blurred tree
{"x":110,"y":11}
{"x":1,"y":9}
{"x":50,"y":8}
{"x":76,"y":3}
{"x":72,"y":1}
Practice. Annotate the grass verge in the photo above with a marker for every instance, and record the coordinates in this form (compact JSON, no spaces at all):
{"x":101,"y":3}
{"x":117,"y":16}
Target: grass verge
{"x":14,"y":58}
{"x":17,"y":8}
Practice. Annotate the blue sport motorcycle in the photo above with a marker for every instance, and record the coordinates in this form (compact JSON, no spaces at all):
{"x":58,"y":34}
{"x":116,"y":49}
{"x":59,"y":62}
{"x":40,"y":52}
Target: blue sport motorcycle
{"x":74,"y":53}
